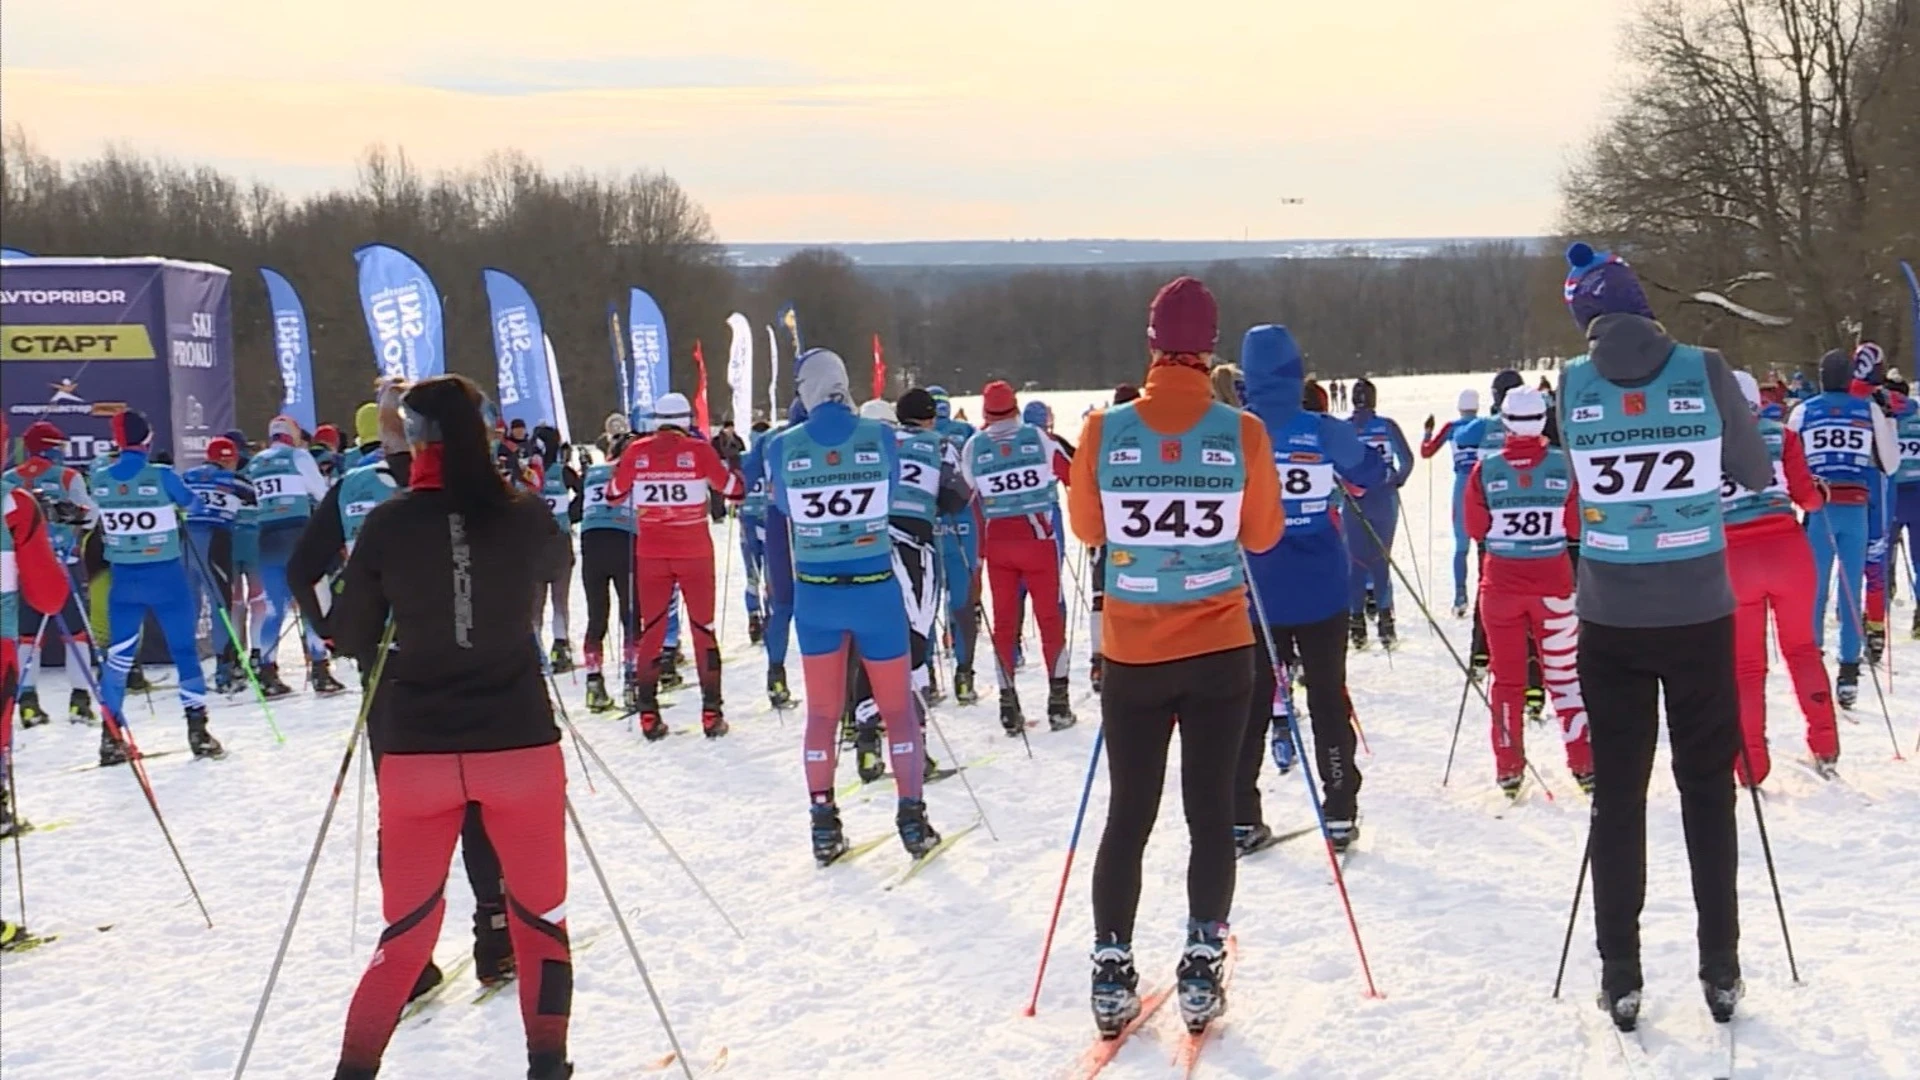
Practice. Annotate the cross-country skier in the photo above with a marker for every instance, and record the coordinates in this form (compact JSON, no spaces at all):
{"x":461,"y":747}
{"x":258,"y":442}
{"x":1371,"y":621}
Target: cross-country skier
{"x":1463,"y":435}
{"x":561,"y":490}
{"x":289,"y":485}
{"x":47,"y":477}
{"x":1906,"y":495}
{"x":606,"y":562}
{"x":667,"y":474}
{"x":1521,"y":510}
{"x":836,"y":475}
{"x":1370,"y":539}
{"x":460,"y":718}
{"x":779,"y":568}
{"x":366,"y":434}
{"x":1014,"y":467}
{"x":1651,"y":426}
{"x":1303,"y":588}
{"x":1174,"y":484}
{"x":959,"y":560}
{"x":1869,"y":381}
{"x":30,"y":572}
{"x":249,"y":611}
{"x":1771,"y":566}
{"x":1097,"y":572}
{"x":1852,"y":446}
{"x":222,"y":493}
{"x":334,"y":528}
{"x":140,"y":505}
{"x":753,"y":536}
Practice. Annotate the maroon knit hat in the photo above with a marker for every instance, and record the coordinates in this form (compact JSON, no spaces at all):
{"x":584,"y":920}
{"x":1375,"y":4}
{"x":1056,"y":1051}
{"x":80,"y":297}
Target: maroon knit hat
{"x":998,"y":401}
{"x":1183,"y":318}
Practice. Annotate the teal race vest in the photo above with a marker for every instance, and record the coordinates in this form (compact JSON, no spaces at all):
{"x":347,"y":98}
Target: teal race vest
{"x":363,"y":488}
{"x":51,"y":486}
{"x":276,"y":480}
{"x":1528,"y":506}
{"x":138,"y":518}
{"x":1738,"y":505}
{"x":1013,"y":473}
{"x":1647,"y":461}
{"x":1172,"y":506}
{"x":1909,"y":425}
{"x":838,"y":497}
{"x":596,"y":512}
{"x":558,"y":497}
{"x":918,"y":494}
{"x":1493,"y":436}
{"x":9,"y":567}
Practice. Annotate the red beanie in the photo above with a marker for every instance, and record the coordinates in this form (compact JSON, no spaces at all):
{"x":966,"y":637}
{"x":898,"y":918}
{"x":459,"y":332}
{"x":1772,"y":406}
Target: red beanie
{"x":998,"y":401}
{"x":328,"y":436}
{"x":42,"y":436}
{"x":1183,"y":318}
{"x":220,"y":448}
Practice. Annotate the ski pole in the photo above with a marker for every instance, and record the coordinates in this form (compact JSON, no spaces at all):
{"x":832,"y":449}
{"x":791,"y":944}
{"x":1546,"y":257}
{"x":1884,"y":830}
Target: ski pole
{"x":726,"y":583}
{"x":246,"y":663}
{"x":19,"y":863}
{"x":124,"y":736}
{"x":1773,"y":876}
{"x":1413,"y":557}
{"x":1859,"y":626}
{"x":1066,"y":871}
{"x":1281,"y":676}
{"x":1000,"y":667}
{"x":1573,"y":912}
{"x":1432,"y":571}
{"x":313,"y":858}
{"x":581,"y":740}
{"x":359,"y":848}
{"x":620,"y":920}
{"x":934,"y":721}
{"x":1353,"y":717}
{"x":1459,"y":718}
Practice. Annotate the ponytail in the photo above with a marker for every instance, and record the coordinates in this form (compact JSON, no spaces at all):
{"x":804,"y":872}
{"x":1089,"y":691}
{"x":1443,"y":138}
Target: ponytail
{"x":446,"y":410}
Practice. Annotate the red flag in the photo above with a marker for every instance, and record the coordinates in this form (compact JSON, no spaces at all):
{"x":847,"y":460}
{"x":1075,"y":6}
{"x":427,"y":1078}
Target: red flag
{"x":879,"y":369}
{"x":700,"y":416}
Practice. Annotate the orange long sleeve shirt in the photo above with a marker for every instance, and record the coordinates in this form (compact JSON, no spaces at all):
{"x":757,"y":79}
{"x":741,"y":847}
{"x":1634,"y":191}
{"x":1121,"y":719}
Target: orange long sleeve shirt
{"x":1171,"y":402}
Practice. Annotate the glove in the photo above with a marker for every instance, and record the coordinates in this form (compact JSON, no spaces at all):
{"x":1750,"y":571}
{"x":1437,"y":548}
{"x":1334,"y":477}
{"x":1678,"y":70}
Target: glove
{"x":1427,"y":428}
{"x":65,"y":512}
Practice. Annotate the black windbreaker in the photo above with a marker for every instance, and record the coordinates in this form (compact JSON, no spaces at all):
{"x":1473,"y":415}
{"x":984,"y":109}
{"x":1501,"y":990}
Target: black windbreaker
{"x":464,"y":674}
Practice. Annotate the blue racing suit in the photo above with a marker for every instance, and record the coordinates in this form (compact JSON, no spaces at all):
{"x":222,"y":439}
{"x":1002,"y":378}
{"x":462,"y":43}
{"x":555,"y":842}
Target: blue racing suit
{"x":1370,"y":541}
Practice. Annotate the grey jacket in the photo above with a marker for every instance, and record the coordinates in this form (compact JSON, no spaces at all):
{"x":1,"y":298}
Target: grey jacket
{"x":1629,"y":351}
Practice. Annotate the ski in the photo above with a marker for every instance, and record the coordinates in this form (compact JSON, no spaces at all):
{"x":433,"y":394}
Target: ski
{"x":665,"y":1061}
{"x":915,"y":866}
{"x":145,"y":755}
{"x":859,"y":849}
{"x":27,"y":828}
{"x":447,"y":976}
{"x":28,"y":942}
{"x":1276,"y":839}
{"x":1187,"y":1057}
{"x":1104,"y":1049}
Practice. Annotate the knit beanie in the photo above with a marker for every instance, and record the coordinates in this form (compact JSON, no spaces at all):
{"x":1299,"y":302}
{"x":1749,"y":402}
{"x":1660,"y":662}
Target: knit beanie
{"x":283,"y":427}
{"x":41,"y":436}
{"x":998,"y":401}
{"x":915,"y":406}
{"x":1183,"y":318}
{"x":366,"y":424}
{"x":1601,"y":283}
{"x":131,"y":430}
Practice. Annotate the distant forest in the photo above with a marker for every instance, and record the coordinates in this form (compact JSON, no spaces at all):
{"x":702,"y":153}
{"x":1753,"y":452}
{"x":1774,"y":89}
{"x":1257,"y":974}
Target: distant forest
{"x":1766,"y":204}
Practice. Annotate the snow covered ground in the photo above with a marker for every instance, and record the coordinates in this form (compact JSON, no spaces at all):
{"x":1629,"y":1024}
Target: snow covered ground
{"x":1461,"y":910}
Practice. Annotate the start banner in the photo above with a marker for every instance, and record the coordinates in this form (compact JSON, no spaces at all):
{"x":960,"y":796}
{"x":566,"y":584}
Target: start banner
{"x":84,"y":339}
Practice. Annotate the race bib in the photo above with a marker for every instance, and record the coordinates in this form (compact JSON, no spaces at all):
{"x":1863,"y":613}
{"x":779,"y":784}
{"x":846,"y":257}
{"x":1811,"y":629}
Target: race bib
{"x":148,"y":522}
{"x":1013,"y":481}
{"x":916,"y":474}
{"x":836,"y":503}
{"x":1171,"y":519}
{"x":1529,"y":524}
{"x":1306,"y":481}
{"x":661,"y":493}
{"x":1662,"y":471}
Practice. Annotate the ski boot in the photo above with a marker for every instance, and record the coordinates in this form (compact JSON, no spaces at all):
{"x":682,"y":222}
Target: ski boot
{"x":1343,"y":834}
{"x":1511,"y":784}
{"x":1622,"y":1009}
{"x":493,"y":961}
{"x":777,"y":691}
{"x":1846,"y":688}
{"x":756,"y":629}
{"x":713,"y":722}
{"x":112,"y":750}
{"x":8,"y":823}
{"x":916,"y":835}
{"x":561,"y":659}
{"x":1916,"y":618}
{"x":1357,"y":630}
{"x":598,"y":700}
{"x":1373,"y":604}
{"x":1248,"y":839}
{"x":31,"y":714}
{"x":548,"y":1065}
{"x":652,"y":725}
{"x":13,"y":936}
{"x":1059,"y":710}
{"x":829,"y":839}
{"x":1460,"y":607}
{"x":322,"y":680}
{"x":430,"y":977}
{"x":1097,"y":672}
{"x":1389,"y":637}
{"x":869,"y":756}
{"x":199,"y":739}
{"x":1202,"y":991}
{"x":270,"y":684}
{"x":1585,"y":780}
{"x":80,"y":707}
{"x":1285,"y":754}
{"x":1116,"y":997}
{"x":1876,"y":641}
{"x":1723,"y":993}
{"x":1827,"y":767}
{"x":1012,"y":720}
{"x":667,"y":671}
{"x":963,"y":690}
{"x":935,"y":693}
{"x":1536,"y":705}
{"x":1477,"y":670}
{"x":630,"y":692}
{"x":137,"y":680}
{"x":1020,"y":654}
{"x":226,"y":678}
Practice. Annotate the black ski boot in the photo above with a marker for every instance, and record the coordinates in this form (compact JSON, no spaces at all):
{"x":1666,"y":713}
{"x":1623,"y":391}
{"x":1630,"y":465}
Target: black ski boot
{"x":1511,"y":785}
{"x":199,"y":739}
{"x":935,"y":693}
{"x":1097,"y":672}
{"x":1389,"y":637}
{"x":226,"y":674}
{"x":1536,"y":705}
{"x":112,"y":750}
{"x":916,"y":835}
{"x":777,"y":691}
{"x":869,"y":756}
{"x":1248,"y":839}
{"x":667,"y":671}
{"x":1059,"y":710}
{"x":1011,"y":718}
{"x":1622,"y":1008}
{"x":829,"y":839}
{"x":560,"y":661}
{"x":8,"y":823}
{"x":322,"y":680}
{"x":1343,"y":834}
{"x":1202,"y":973}
{"x":1116,"y":995}
{"x":548,"y":1065}
{"x":492,"y":947}
{"x":1373,"y":603}
{"x":270,"y":684}
{"x":1876,"y":641}
{"x":1723,"y":993}
{"x":598,"y":700}
{"x":756,"y":629}
{"x":31,"y":714}
{"x":630,"y":694}
{"x":963,"y":691}
{"x":1585,"y":780}
{"x":1357,"y":630}
{"x":1846,"y":689}
{"x":430,"y":977}
{"x":137,"y":680}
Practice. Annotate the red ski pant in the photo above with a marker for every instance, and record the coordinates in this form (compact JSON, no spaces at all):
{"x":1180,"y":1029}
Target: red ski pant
{"x":1510,"y":618}
{"x":423,"y":802}
{"x":1774,"y":571}
{"x":1033,"y":565}
{"x":657,"y":577}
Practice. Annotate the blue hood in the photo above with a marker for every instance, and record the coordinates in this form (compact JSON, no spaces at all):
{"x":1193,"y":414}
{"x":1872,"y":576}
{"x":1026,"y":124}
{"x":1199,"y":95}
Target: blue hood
{"x":1270,"y":364}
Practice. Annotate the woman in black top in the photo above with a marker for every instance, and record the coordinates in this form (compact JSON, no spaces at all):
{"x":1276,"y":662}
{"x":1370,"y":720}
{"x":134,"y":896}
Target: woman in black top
{"x":461,"y":715}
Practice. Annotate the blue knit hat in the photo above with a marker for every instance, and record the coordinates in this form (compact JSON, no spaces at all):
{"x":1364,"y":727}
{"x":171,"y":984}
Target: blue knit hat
{"x":131,"y":430}
{"x":1601,"y":283}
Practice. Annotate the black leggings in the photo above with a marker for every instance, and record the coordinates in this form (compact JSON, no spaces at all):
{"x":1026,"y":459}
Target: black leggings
{"x":1139,"y":706}
{"x":606,"y":558}
{"x":1321,"y":651}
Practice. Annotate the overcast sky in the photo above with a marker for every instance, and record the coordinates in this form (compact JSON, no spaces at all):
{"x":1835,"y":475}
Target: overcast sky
{"x":809,"y":120}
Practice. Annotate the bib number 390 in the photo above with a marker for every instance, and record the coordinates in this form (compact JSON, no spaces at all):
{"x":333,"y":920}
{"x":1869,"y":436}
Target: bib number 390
{"x":130,"y":522}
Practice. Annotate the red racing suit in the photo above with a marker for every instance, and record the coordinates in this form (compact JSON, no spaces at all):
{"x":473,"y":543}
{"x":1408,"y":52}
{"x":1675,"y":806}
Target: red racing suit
{"x":31,"y":572}
{"x":1023,"y":553}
